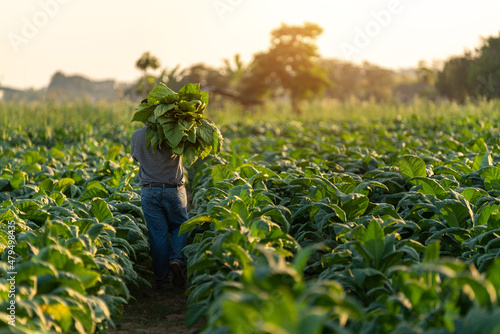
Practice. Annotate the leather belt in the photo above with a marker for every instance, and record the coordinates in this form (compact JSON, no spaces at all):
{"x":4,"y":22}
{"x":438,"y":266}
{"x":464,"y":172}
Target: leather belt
{"x":162,"y":185}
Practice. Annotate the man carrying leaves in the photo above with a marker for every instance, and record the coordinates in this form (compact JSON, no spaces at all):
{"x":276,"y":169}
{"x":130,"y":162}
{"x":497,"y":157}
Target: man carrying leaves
{"x":175,"y":130}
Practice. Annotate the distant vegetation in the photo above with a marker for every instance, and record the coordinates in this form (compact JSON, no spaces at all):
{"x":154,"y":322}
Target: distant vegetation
{"x":293,"y":70}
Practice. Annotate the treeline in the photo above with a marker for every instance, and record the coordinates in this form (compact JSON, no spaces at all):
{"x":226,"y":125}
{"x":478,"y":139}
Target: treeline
{"x":293,"y":69}
{"x":473,"y":75}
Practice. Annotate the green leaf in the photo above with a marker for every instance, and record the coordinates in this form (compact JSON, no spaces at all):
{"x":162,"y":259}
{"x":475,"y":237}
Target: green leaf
{"x":375,"y":241}
{"x":429,"y":186}
{"x":144,"y":111}
{"x":87,"y":277}
{"x":60,"y":310}
{"x":93,"y":193}
{"x":411,"y":166}
{"x":150,"y":134}
{"x":190,"y":91}
{"x":191,"y":135}
{"x":174,"y":137}
{"x":301,"y":258}
{"x":431,"y":252}
{"x":491,"y":176}
{"x":204,"y":97}
{"x":101,"y":210}
{"x":34,"y":268}
{"x":28,"y":206}
{"x":198,"y":220}
{"x":161,"y":109}
{"x":63,"y":183}
{"x":18,"y":179}
{"x":46,"y":185}
{"x":56,"y":255}
{"x":205,"y":133}
{"x":482,"y":161}
{"x":190,"y":155}
{"x":196,"y":312}
{"x":113,"y":152}
{"x":221,"y":173}
{"x":455,"y":213}
{"x":159,"y":92}
{"x":354,"y":205}
{"x":486,"y":212}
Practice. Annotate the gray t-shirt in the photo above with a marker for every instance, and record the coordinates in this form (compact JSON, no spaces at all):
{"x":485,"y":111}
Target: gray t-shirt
{"x":160,"y":167}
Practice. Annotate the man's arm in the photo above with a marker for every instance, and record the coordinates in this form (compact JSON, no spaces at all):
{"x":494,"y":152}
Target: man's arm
{"x":132,"y":148}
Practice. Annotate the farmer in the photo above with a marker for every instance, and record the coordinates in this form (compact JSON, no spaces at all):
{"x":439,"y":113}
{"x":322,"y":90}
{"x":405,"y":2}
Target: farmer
{"x":164,"y":203}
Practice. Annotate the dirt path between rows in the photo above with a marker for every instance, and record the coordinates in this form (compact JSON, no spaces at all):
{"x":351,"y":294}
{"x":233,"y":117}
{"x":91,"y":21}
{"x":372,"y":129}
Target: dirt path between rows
{"x":154,"y":312}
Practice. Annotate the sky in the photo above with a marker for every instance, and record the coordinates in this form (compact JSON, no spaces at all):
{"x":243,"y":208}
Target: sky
{"x":102,"y":39}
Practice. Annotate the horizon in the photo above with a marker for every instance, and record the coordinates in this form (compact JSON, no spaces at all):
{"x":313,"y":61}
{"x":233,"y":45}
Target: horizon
{"x":102,"y":41}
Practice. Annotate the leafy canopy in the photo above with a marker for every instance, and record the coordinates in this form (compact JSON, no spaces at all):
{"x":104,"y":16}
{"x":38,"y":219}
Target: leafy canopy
{"x":291,"y":64}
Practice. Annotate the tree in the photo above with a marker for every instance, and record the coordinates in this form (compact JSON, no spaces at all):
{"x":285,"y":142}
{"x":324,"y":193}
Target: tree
{"x":347,"y":79}
{"x":452,"y":79}
{"x":484,"y":73}
{"x":378,"y":82}
{"x":235,"y":72}
{"x":208,"y":77}
{"x":144,"y":63}
{"x":291,"y":64}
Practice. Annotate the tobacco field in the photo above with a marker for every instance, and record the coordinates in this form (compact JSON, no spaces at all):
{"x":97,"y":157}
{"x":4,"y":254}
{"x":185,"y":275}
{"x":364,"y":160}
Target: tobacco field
{"x":378,"y":225}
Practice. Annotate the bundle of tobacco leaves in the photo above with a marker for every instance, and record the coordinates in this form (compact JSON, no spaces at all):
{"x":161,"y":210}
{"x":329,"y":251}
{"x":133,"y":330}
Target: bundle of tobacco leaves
{"x":177,"y":120}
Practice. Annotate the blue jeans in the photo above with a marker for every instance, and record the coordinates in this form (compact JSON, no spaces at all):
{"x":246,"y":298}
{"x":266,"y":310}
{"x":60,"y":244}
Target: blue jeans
{"x":165,"y":209}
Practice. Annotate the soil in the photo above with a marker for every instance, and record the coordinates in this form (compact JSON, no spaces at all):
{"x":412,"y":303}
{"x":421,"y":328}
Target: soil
{"x":154,"y":312}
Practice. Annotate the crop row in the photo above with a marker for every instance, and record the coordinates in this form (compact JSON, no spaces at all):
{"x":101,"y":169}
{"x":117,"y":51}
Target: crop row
{"x":374,"y":228}
{"x":79,"y":230}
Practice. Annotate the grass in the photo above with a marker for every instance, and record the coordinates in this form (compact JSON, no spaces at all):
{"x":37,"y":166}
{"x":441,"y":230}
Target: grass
{"x":42,"y":115}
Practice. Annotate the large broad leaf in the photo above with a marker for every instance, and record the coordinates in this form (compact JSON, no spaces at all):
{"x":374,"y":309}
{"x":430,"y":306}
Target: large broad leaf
{"x":113,"y":152}
{"x":151,"y":138}
{"x":87,"y":277}
{"x":101,"y":210}
{"x":429,"y":186}
{"x":190,"y":91}
{"x":354,"y":205}
{"x":56,"y":255}
{"x":28,"y":206}
{"x":18,"y":179}
{"x":190,"y":154}
{"x":159,"y":92}
{"x":144,"y":111}
{"x":432,"y":252}
{"x":204,"y":97}
{"x":221,"y":173}
{"x":5,"y":185}
{"x":59,"y":309}
{"x":198,"y":220}
{"x":375,"y":241}
{"x":205,"y":133}
{"x":485,"y":212}
{"x":34,"y":268}
{"x":473,"y":194}
{"x":93,"y":193}
{"x":411,"y":166}
{"x":175,"y":136}
{"x":491,"y":178}
{"x":455,"y":213}
{"x":482,"y":161}
{"x":161,"y":109}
